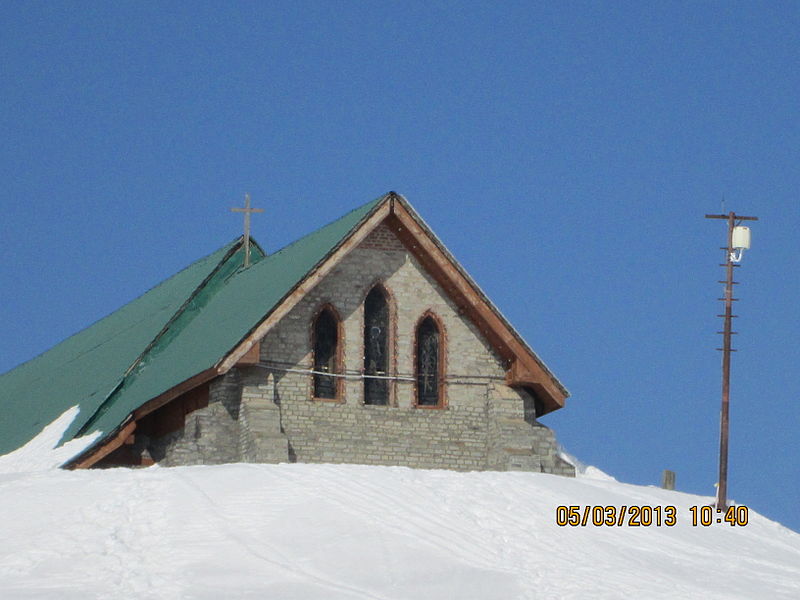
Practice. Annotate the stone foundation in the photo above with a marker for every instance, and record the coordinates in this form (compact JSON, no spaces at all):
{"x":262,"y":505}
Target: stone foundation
{"x":244,"y":423}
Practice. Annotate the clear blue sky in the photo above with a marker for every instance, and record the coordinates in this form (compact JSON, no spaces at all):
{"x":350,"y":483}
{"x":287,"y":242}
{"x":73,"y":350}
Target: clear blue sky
{"x":565,"y":152}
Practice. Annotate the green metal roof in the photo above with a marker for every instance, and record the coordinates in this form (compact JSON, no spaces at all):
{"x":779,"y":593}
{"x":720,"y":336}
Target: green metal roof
{"x":178,"y":329}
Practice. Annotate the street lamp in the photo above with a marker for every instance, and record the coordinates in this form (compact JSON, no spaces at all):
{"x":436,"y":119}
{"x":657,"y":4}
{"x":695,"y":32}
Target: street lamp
{"x":738,"y":242}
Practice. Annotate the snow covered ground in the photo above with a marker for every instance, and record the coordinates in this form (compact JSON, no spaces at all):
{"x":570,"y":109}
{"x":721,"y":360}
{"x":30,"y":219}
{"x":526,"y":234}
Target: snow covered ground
{"x":309,"y":532}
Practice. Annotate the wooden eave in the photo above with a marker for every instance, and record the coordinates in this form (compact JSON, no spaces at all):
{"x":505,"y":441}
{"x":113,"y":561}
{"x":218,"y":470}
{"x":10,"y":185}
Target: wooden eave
{"x":100,"y":451}
{"x":523,"y":367}
{"x":113,"y":441}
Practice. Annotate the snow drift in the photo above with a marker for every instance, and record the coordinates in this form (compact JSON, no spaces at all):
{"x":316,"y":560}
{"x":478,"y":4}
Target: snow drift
{"x":341,"y":531}
{"x":307,"y":532}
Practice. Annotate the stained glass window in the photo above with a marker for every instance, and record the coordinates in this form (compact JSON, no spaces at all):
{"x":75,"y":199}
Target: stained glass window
{"x":326,"y":341}
{"x":376,"y":347}
{"x":428,"y":363}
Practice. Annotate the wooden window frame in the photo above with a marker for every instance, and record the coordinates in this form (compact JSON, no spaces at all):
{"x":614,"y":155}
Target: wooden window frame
{"x":442,"y":403}
{"x":391,"y":341}
{"x":338,"y":355}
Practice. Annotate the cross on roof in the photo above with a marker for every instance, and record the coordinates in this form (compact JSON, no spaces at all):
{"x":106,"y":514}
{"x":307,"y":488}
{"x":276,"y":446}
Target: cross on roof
{"x":247,"y":212}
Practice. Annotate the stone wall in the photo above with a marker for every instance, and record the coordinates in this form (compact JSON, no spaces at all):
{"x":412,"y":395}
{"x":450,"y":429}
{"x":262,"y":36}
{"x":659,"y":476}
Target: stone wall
{"x":266,"y":413}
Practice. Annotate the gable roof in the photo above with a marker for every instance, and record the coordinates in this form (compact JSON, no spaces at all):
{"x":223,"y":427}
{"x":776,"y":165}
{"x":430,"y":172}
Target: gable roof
{"x":113,"y":366}
{"x":87,"y":368}
{"x":219,"y":324}
{"x":200,"y":322}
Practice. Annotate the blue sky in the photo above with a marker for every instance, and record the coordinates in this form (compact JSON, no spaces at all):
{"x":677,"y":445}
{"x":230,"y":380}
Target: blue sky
{"x":565,"y":153}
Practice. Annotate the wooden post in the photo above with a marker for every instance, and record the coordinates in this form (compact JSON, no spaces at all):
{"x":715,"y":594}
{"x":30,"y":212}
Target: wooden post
{"x":722,"y":485}
{"x":668,"y":479}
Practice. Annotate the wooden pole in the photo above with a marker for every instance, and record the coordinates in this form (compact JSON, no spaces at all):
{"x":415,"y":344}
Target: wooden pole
{"x":724,"y":420}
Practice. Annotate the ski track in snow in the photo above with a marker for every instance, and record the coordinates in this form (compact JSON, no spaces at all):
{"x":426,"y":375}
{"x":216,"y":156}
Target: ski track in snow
{"x":319,"y":532}
{"x":260,"y":548}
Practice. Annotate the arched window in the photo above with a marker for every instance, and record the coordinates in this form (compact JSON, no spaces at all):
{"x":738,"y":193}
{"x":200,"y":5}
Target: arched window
{"x":429,"y":362}
{"x":376,"y":347}
{"x":326,"y":353}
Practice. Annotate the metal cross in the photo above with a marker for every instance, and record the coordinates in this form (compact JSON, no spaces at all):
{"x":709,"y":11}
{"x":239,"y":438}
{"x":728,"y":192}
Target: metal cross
{"x":247,"y":212}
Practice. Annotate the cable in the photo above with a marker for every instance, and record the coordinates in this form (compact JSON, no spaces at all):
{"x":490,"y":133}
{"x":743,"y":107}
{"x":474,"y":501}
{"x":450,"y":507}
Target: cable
{"x":455,"y":379}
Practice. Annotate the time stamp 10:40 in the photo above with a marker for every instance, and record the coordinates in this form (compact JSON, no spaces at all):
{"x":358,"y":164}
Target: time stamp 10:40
{"x":647,"y":516}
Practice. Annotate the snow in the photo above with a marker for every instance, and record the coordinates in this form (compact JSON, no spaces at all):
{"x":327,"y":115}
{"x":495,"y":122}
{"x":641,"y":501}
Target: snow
{"x":42,"y":453}
{"x":584,"y":470}
{"x":307,"y":532}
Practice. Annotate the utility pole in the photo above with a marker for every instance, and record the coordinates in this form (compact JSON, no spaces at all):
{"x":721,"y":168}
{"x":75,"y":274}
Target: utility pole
{"x":731,"y":261}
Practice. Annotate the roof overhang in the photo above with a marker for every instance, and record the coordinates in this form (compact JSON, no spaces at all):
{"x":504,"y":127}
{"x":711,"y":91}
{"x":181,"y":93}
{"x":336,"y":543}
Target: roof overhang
{"x":523,"y":367}
{"x":106,"y":446}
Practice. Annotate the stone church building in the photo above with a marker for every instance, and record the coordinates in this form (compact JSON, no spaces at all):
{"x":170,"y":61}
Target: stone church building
{"x":363,"y":342}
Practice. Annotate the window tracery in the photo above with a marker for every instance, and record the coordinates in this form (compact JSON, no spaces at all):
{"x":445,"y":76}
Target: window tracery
{"x":326,"y":350}
{"x":376,"y":347}
{"x":428,"y":362}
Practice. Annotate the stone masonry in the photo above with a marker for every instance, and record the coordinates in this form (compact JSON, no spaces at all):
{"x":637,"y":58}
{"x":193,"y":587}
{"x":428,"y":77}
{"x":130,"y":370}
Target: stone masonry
{"x":266,"y":413}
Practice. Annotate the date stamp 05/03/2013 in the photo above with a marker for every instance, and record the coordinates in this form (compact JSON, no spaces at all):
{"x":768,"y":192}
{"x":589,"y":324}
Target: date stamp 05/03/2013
{"x":648,"y":516}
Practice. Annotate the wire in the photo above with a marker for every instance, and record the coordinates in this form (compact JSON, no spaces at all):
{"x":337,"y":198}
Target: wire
{"x":457,"y":379}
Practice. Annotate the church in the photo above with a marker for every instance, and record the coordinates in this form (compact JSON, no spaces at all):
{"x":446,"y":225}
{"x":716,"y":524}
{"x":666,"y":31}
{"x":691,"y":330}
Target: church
{"x":363,"y":342}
